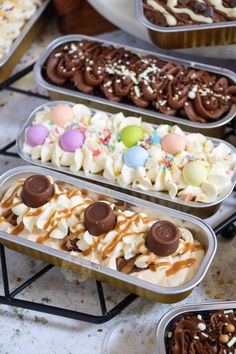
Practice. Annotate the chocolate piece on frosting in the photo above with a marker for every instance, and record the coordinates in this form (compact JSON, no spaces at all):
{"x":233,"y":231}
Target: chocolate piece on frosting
{"x":99,"y":218}
{"x":37,"y":191}
{"x":163,"y":238}
{"x":205,"y":333}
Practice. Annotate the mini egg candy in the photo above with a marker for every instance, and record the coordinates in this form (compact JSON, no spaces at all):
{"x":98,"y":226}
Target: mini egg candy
{"x":135,"y":157}
{"x":195,"y":173}
{"x":173,"y":143}
{"x":131,"y":134}
{"x":72,"y":140}
{"x":36,"y":134}
{"x":61,"y":114}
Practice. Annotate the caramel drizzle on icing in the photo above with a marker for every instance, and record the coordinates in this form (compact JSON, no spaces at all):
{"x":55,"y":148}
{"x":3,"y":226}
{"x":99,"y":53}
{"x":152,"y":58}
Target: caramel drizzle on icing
{"x":8,"y":202}
{"x":126,"y":222}
{"x":177,"y":266}
{"x":18,"y":229}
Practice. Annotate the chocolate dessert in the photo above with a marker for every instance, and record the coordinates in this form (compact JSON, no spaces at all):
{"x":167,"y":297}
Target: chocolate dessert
{"x":205,"y":333}
{"x":144,"y":81}
{"x":189,"y":12}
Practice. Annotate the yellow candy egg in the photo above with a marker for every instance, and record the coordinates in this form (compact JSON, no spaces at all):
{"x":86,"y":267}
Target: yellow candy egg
{"x":195,"y":173}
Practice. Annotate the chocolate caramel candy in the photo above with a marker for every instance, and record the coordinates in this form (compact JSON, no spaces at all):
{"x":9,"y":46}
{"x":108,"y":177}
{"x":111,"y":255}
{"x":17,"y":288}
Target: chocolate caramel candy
{"x":99,"y":218}
{"x":163,"y":238}
{"x":37,"y":191}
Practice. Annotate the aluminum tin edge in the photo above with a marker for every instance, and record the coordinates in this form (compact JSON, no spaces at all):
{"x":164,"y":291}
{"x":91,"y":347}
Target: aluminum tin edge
{"x":20,"y":140}
{"x":181,"y":309}
{"x":214,"y":69}
{"x":209,"y":234}
{"x":143,"y":19}
{"x":25,"y":29}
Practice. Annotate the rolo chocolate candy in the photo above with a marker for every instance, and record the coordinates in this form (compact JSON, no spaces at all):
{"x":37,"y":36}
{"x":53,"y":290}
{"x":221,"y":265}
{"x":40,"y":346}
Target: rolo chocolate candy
{"x":99,"y":218}
{"x":163,"y":238}
{"x":37,"y":190}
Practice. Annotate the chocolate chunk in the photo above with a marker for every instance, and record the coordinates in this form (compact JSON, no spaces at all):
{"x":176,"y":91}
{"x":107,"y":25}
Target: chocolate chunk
{"x":208,"y":12}
{"x":232,"y":3}
{"x":37,"y":191}
{"x":99,"y":218}
{"x":163,"y":238}
{"x":199,"y":7}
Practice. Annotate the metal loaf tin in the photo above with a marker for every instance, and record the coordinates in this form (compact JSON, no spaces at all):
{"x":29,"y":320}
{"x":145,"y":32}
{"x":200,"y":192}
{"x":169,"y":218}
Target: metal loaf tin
{"x":171,"y":316}
{"x":201,"y":231}
{"x":29,"y":32}
{"x":188,"y":36}
{"x":56,"y":92}
{"x":202,"y":210}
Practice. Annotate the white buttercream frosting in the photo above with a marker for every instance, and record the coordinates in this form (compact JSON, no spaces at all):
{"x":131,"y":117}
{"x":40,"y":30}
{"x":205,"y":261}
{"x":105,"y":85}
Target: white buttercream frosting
{"x":102,"y":153}
{"x":61,"y":220}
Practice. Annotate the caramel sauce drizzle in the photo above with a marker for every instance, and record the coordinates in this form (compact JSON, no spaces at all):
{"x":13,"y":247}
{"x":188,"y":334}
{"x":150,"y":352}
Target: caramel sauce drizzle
{"x":177,"y":266}
{"x":128,"y":220}
{"x":18,"y":229}
{"x":7,"y":203}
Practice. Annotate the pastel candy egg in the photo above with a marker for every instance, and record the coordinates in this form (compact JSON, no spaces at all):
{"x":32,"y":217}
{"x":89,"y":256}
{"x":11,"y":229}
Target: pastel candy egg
{"x":173,"y":143}
{"x":61,"y":114}
{"x":135,"y":157}
{"x":71,"y":140}
{"x":131,"y":134}
{"x":195,"y":173}
{"x":36,"y":134}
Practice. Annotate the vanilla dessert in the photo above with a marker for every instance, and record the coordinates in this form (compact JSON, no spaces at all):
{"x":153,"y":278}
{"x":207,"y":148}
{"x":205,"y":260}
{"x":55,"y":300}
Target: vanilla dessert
{"x":61,"y":216}
{"x":131,"y":152}
{"x":13,"y":16}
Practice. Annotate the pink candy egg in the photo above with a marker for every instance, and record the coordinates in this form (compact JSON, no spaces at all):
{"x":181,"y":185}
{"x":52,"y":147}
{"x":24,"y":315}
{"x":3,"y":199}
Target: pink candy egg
{"x":61,"y":114}
{"x":173,"y":143}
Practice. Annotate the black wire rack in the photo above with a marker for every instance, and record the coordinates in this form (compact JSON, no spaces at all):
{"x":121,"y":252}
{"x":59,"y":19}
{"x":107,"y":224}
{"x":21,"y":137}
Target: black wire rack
{"x":227,"y":229}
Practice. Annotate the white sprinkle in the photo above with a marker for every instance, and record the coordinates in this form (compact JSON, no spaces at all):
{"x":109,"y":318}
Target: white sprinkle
{"x":110,"y":90}
{"x":199,"y":317}
{"x":137,"y":91}
{"x":91,"y":62}
{"x":162,"y":102}
{"x":118,"y":81}
{"x":73,"y":47}
{"x":231,"y":342}
{"x":205,"y":335}
{"x":149,"y":89}
{"x":191,"y":95}
{"x":170,"y":77}
{"x":73,"y":69}
{"x":196,"y":337}
{"x":57,"y":55}
{"x":201,"y":326}
{"x":169,"y":335}
{"x":228,"y":311}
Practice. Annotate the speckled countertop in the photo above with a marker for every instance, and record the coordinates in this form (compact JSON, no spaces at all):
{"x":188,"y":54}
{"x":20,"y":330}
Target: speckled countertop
{"x":24,"y":331}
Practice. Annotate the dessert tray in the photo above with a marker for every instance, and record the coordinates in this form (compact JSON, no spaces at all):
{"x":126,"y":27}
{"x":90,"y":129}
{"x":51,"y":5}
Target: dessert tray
{"x":65,"y":90}
{"x":34,"y":154}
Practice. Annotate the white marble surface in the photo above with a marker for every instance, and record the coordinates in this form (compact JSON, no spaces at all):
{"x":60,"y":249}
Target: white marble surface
{"x":24,"y":331}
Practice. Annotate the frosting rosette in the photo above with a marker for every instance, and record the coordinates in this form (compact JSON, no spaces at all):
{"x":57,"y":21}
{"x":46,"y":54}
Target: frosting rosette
{"x":99,"y":230}
{"x":136,"y":154}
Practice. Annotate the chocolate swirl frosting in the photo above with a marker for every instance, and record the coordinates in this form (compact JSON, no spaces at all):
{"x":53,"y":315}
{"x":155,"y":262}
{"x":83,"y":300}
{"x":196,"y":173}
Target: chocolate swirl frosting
{"x":212,"y":332}
{"x":189,"y":12}
{"x":145,"y":81}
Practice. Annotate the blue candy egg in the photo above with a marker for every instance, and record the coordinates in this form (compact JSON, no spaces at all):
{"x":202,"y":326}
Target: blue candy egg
{"x":135,"y":156}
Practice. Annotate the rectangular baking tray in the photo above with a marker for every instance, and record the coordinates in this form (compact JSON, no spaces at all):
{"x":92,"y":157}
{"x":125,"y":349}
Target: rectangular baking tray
{"x":29,"y":32}
{"x":203,"y":210}
{"x":56,"y":92}
{"x":201,"y":231}
{"x":165,"y":322}
{"x":188,"y":36}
